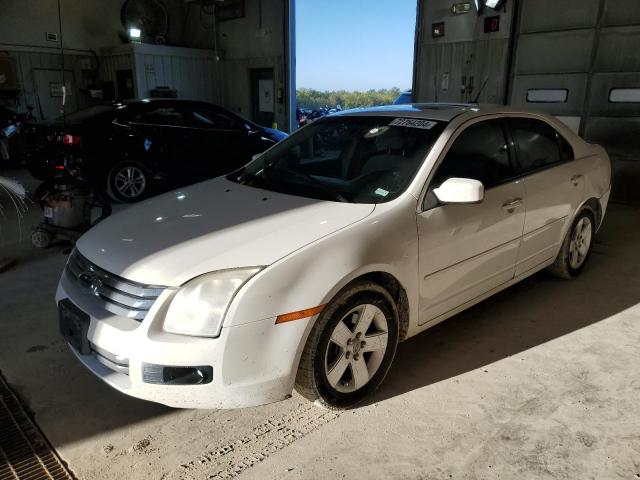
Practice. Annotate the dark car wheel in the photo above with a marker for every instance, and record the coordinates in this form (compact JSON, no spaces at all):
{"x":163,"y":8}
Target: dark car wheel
{"x":350,"y":348}
{"x":129,"y":182}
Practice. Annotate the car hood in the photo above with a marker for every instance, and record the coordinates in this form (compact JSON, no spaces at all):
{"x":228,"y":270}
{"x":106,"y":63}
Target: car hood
{"x":214,"y":225}
{"x":277,"y":135}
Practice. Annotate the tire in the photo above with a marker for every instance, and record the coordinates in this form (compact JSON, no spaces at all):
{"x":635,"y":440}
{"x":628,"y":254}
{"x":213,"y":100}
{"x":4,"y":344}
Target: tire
{"x":340,"y":345}
{"x":41,"y":238}
{"x":129,"y":182}
{"x":577,"y":245}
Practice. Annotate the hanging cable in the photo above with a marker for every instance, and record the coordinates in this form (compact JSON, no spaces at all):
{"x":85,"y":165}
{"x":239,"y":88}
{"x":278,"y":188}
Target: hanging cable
{"x":64,"y":88}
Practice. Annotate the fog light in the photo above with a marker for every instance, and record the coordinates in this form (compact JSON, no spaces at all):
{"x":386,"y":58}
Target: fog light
{"x":165,"y":375}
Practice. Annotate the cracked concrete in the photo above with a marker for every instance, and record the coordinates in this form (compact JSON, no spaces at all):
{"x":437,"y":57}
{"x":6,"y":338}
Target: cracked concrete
{"x":541,"y":381}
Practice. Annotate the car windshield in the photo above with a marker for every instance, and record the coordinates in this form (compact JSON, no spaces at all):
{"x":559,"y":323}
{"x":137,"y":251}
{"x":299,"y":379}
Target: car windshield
{"x":359,"y":159}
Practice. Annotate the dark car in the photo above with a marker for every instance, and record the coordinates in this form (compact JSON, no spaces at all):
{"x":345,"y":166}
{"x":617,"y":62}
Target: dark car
{"x":137,"y":148}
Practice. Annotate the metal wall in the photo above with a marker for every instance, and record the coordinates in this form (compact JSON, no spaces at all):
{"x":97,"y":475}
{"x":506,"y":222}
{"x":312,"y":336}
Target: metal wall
{"x":453,"y":67}
{"x":588,"y":48}
{"x":32,"y":61}
{"x":564,"y":57}
{"x":192,"y":72}
{"x":257,"y":41}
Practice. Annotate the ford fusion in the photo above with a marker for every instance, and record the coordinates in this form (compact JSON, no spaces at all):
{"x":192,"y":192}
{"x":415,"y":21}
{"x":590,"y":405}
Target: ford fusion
{"x":306,"y":267}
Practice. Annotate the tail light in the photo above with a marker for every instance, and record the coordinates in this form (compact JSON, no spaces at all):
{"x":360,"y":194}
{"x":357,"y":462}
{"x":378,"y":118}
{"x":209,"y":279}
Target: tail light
{"x":69,"y":139}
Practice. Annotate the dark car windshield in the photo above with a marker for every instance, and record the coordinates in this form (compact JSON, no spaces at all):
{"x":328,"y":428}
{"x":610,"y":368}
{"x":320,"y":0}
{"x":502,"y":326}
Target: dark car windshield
{"x":360,"y":159}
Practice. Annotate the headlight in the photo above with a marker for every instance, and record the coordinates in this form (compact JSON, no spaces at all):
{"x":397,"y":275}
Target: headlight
{"x":200,"y":305}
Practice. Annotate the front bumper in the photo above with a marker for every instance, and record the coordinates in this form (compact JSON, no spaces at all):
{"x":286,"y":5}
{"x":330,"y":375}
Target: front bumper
{"x":253,"y":364}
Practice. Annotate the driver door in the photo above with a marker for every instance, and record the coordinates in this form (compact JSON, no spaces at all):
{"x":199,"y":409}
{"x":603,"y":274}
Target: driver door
{"x":466,"y":250}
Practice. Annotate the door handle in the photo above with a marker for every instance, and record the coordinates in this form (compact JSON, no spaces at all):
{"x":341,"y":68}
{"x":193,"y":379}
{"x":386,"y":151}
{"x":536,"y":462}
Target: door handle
{"x":511,"y":205}
{"x":576,"y":179}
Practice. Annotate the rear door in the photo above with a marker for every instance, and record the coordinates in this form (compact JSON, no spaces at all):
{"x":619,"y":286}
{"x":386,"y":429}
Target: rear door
{"x":159,"y":135}
{"x":468,"y":250}
{"x":554,"y":189}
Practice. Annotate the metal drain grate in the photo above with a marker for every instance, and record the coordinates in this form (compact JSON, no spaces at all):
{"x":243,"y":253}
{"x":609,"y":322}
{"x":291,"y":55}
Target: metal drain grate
{"x":24,"y":452}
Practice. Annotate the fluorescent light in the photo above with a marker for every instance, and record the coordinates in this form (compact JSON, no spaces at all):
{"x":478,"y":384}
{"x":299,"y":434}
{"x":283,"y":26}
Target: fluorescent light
{"x":135,"y":33}
{"x":495,"y":4}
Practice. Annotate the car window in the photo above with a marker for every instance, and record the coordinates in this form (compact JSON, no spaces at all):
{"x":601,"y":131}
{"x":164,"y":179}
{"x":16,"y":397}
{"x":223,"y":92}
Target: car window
{"x":161,"y":115}
{"x":480,"y":152}
{"x":566,"y":150}
{"x":355,"y":159}
{"x":537,"y":144}
{"x":87,"y":114}
{"x":210,"y":119}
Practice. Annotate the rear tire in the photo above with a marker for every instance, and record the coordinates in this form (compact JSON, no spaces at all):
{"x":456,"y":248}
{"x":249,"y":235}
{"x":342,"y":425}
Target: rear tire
{"x":577,"y":245}
{"x":129,"y":182}
{"x":350,"y":348}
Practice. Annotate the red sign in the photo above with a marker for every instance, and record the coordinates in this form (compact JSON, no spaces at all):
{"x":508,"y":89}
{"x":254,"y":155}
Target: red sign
{"x":492,"y":24}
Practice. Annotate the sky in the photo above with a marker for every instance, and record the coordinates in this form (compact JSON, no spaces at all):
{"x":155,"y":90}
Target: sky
{"x":354,"y":44}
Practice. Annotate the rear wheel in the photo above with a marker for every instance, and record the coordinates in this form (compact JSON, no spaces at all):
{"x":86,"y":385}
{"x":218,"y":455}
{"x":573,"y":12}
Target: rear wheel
{"x":129,"y":182}
{"x":576,"y":247}
{"x":351,"y":347}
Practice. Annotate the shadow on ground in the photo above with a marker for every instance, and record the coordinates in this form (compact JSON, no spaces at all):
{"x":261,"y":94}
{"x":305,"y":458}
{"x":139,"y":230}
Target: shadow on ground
{"x":532,"y":312}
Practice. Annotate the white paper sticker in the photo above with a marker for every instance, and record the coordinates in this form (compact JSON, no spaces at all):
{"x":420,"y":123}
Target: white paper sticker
{"x":381,"y":191}
{"x":48,"y":212}
{"x":413,"y":123}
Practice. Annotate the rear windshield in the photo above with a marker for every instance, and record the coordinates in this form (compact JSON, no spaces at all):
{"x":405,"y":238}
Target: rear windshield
{"x":362,"y":159}
{"x":86,"y":114}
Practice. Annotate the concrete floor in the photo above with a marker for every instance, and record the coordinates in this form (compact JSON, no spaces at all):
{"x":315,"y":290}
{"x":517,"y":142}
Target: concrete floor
{"x":541,"y":381}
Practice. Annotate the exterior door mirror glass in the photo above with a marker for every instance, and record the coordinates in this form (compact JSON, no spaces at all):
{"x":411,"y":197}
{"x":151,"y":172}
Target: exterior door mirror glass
{"x":460,"y":190}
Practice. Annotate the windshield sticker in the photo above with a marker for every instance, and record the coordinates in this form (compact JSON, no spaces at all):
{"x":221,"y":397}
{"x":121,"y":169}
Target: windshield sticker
{"x":413,"y":123}
{"x":381,"y":191}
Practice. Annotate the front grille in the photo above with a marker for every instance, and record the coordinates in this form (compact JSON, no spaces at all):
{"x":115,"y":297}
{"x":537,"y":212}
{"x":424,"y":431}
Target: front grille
{"x":117,"y":295}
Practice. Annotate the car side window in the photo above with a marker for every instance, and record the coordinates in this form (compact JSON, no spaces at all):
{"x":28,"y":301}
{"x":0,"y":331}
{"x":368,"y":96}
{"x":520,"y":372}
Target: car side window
{"x":480,"y":152}
{"x":566,"y":150}
{"x":210,"y":119}
{"x":538,"y":144}
{"x":161,"y":116}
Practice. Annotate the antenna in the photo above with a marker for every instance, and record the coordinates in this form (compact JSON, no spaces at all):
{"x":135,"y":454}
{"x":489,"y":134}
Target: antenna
{"x":484,"y":83}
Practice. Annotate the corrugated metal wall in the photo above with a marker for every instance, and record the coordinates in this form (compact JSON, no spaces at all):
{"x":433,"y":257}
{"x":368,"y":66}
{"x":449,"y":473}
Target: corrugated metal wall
{"x":570,"y":58}
{"x":192,"y":72}
{"x":588,"y":48}
{"x":453,"y":67}
{"x":31,"y":60}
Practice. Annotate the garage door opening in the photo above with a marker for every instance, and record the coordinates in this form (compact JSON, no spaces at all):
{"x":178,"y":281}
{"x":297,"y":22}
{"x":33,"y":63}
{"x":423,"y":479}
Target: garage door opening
{"x":352,"y":54}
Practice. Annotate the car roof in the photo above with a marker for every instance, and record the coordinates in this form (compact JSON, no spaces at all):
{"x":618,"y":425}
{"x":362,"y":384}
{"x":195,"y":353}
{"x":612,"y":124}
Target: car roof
{"x":444,"y":112}
{"x":151,"y":101}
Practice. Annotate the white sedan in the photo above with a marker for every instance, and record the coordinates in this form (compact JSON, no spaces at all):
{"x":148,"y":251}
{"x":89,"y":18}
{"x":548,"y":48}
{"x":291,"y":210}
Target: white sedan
{"x":305,"y":268}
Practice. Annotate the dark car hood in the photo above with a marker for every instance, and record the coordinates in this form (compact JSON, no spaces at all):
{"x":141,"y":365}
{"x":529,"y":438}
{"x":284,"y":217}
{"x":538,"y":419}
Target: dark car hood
{"x":277,"y":135}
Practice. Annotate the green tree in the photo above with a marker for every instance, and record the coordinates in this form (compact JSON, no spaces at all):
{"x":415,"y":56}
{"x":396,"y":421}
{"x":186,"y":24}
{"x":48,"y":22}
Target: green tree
{"x":311,"y":98}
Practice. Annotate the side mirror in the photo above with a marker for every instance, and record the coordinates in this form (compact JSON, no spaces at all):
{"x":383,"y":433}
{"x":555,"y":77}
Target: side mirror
{"x":460,"y":190}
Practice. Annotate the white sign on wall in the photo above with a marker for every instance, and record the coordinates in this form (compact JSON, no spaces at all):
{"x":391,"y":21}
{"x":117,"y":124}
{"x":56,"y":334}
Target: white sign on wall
{"x":265,"y":90}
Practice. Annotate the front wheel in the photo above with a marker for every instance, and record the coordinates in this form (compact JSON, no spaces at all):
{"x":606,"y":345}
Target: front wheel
{"x":350,"y":348}
{"x":576,"y":247}
{"x":129,"y":182}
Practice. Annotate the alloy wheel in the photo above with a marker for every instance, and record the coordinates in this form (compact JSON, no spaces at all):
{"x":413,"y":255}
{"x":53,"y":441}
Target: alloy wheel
{"x":356,"y":348}
{"x":580,"y":242}
{"x":130,"y":181}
